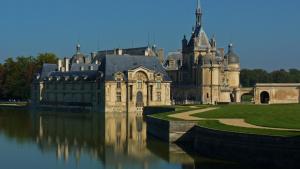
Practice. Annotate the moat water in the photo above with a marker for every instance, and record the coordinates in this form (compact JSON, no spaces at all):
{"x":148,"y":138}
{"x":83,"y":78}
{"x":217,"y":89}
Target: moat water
{"x":89,"y":141}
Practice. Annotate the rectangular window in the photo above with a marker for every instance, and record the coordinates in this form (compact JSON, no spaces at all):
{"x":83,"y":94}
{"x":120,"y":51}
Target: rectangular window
{"x":139,"y":85}
{"x":158,"y":95}
{"x":118,"y":84}
{"x":158,"y":85}
{"x":119,"y":97}
{"x":130,"y":93}
{"x":151,"y":93}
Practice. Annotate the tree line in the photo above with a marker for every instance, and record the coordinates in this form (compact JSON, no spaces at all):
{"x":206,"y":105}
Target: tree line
{"x":16,"y":75}
{"x":250,"y":77}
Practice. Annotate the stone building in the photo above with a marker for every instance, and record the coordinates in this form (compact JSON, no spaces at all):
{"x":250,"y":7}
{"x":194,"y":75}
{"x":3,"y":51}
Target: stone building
{"x":277,"y":93}
{"x":103,"y":82}
{"x":202,"y":72}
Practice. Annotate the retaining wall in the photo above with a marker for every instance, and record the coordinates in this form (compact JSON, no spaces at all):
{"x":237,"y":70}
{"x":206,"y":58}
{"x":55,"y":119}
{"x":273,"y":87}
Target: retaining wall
{"x":170,"y":131}
{"x":278,"y":152}
{"x":155,"y":110}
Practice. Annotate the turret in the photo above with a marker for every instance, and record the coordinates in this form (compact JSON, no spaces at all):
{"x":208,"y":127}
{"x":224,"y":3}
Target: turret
{"x":233,"y":63}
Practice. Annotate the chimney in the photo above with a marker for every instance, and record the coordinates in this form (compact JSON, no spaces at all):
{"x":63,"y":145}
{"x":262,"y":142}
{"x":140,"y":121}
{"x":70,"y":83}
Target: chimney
{"x":67,"y":64}
{"x":81,"y":68}
{"x":59,"y":65}
{"x":119,"y":51}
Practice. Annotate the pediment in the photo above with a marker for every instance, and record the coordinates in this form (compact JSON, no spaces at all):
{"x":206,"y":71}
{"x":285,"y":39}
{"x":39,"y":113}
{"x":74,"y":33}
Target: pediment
{"x":141,"y":68}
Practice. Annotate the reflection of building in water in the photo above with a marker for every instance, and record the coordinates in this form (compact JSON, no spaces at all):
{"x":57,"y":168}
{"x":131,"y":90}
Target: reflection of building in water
{"x":120,"y":135}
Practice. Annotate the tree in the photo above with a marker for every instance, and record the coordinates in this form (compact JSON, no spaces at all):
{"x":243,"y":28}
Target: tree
{"x":16,"y":75}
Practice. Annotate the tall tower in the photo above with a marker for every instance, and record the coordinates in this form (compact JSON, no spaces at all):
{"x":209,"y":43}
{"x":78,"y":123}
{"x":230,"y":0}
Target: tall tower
{"x":233,"y":63}
{"x":198,"y":14}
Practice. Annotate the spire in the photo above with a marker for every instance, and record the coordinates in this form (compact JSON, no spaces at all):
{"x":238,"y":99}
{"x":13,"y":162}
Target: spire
{"x":230,"y":47}
{"x":78,"y":48}
{"x":198,"y":14}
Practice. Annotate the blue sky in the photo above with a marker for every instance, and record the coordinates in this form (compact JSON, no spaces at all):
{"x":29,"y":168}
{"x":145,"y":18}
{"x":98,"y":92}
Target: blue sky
{"x":265,"y":33}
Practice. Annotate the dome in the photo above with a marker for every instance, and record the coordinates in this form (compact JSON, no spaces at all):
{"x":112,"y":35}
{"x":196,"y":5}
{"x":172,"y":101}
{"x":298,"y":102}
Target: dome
{"x":231,"y":56}
{"x":78,"y":57}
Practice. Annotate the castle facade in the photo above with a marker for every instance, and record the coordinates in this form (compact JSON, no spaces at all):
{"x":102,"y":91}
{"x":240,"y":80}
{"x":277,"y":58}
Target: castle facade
{"x":107,"y":81}
{"x":202,"y":72}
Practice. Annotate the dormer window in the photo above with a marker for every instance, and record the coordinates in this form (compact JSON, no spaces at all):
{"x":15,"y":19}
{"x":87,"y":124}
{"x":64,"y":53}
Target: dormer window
{"x":118,"y":83}
{"x":158,"y":85}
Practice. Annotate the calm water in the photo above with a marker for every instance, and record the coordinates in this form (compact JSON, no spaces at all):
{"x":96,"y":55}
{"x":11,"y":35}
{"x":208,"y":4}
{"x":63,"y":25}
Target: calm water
{"x":64,"y":140}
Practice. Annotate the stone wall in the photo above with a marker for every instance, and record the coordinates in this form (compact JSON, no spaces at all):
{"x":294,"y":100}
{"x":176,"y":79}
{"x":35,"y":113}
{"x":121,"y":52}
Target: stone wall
{"x":252,"y":149}
{"x":155,"y":110}
{"x":170,"y":131}
{"x":278,"y":93}
{"x":256,"y":150}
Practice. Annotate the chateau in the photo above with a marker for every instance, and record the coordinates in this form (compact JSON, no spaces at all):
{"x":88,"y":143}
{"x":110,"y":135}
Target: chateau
{"x":201,"y":71}
{"x":128,"y":79}
{"x":107,"y":81}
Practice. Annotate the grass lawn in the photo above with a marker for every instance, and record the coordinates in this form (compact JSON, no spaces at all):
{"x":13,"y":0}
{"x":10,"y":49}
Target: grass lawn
{"x":178,"y":109}
{"x":276,"y":116}
{"x":216,"y":125}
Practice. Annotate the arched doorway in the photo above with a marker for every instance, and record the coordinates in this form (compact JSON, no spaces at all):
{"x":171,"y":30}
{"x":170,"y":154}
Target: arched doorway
{"x":139,"y":99}
{"x":264,"y":97}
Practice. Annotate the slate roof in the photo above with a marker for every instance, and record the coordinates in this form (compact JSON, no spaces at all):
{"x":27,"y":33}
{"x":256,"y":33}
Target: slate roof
{"x":90,"y":75}
{"x":232,"y":57}
{"x":112,"y":64}
{"x":47,"y":69}
{"x":201,"y":35}
{"x":77,"y":67}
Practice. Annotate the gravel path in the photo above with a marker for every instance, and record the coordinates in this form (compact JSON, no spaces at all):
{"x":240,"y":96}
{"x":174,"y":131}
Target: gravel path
{"x":231,"y":122}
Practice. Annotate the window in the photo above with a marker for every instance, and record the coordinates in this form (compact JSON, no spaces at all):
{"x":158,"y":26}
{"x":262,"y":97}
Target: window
{"x":158,"y":85}
{"x":151,"y":93}
{"x":130,"y":93}
{"x":140,"y":84}
{"x":119,"y":97}
{"x":207,"y":95}
{"x":118,"y":84}
{"x":158,"y":95}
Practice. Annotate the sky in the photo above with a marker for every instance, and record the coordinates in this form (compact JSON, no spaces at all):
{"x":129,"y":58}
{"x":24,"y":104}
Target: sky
{"x":265,"y":34}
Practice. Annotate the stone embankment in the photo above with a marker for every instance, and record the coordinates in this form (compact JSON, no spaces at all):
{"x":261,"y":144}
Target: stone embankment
{"x":268,"y":151}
